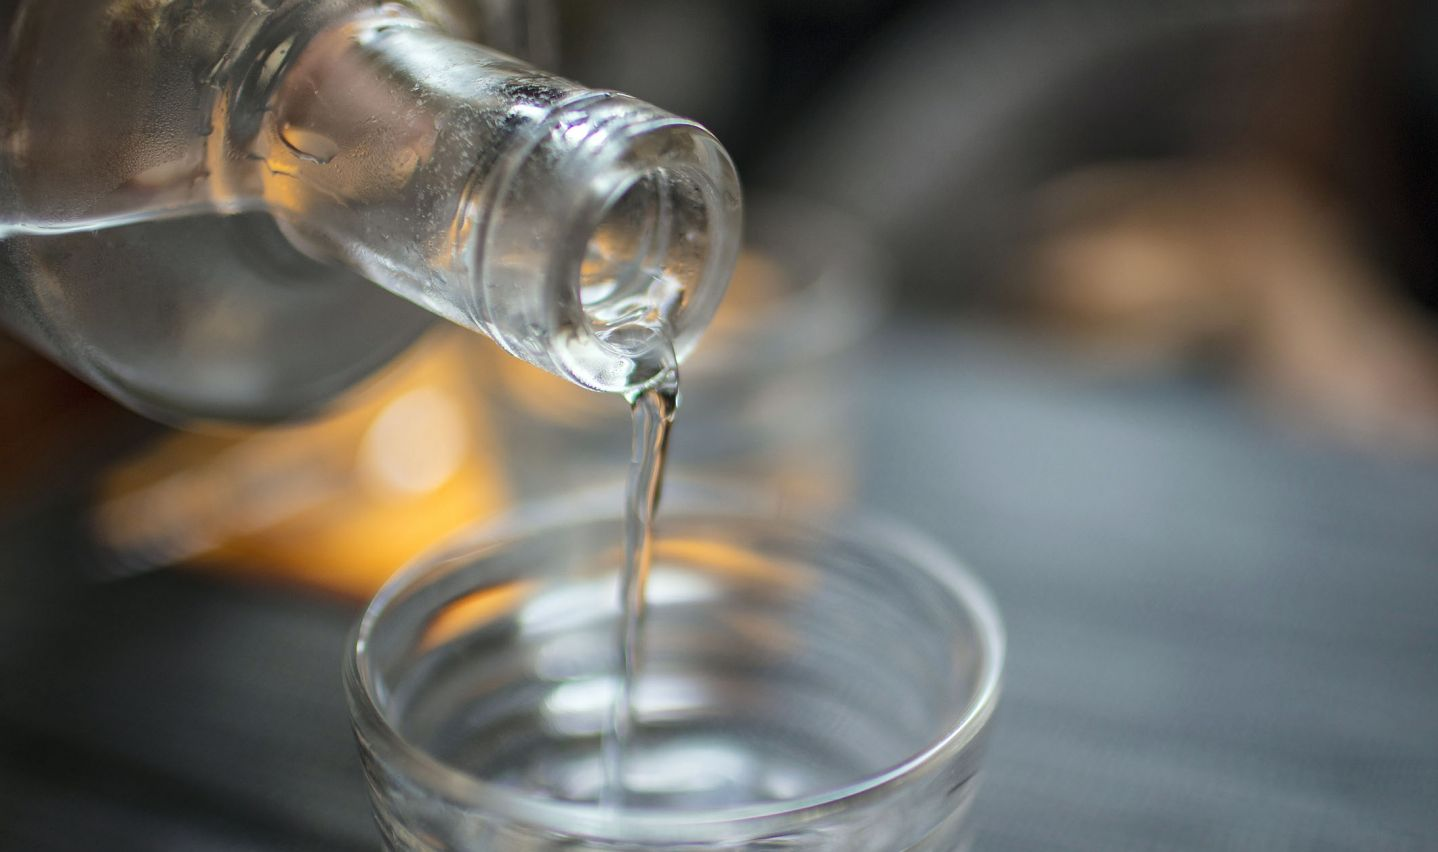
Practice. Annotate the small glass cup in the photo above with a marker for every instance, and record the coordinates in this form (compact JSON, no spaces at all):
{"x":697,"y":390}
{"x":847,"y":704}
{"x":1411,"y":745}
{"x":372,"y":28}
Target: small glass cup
{"x":806,"y":684}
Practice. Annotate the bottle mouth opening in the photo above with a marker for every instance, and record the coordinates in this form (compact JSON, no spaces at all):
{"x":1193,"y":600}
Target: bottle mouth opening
{"x":625,"y":275}
{"x":610,"y":243}
{"x":637,"y":269}
{"x":661,"y":242}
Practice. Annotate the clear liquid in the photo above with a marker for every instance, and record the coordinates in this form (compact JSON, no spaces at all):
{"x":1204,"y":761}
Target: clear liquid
{"x":772,"y":671}
{"x":725,"y":721}
{"x":719,"y":675}
{"x":752,"y":687}
{"x":653,"y":414}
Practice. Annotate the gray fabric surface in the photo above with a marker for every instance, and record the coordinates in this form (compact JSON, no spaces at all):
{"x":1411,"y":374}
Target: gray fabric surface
{"x":1219,"y":638}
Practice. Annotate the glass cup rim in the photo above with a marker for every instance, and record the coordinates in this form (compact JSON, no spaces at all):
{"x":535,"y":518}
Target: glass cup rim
{"x":897,"y":540}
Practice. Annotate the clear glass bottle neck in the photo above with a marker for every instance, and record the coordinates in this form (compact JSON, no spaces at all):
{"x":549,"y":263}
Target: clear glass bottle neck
{"x":585,"y":231}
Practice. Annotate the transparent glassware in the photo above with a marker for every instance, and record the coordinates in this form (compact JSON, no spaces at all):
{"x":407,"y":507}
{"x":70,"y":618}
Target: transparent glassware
{"x":194,"y":196}
{"x":806,"y":684}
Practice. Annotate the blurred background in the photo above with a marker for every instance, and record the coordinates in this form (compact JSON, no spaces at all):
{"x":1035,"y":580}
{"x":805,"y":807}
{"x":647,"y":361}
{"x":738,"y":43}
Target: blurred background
{"x":1133,"y":305}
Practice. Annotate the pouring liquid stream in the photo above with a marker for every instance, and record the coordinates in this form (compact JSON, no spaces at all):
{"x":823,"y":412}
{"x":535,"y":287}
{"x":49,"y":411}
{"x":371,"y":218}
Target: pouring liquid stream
{"x":653,"y":414}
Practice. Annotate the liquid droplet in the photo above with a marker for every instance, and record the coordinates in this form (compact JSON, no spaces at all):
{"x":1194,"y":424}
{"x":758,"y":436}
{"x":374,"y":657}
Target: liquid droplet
{"x":309,"y":145}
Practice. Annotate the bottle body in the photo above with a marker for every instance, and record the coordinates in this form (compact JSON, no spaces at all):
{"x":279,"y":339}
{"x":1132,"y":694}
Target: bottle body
{"x":196,"y":196}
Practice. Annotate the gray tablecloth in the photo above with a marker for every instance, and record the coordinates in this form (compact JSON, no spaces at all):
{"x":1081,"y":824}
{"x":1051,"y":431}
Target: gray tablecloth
{"x":1220,"y":638}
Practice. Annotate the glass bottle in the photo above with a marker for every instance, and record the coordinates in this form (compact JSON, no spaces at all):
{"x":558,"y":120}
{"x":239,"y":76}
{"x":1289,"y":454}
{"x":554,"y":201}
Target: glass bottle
{"x":194,"y":195}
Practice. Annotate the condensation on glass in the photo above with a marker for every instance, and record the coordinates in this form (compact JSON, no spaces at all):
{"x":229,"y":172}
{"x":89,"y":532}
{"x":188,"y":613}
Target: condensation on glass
{"x":194,"y":197}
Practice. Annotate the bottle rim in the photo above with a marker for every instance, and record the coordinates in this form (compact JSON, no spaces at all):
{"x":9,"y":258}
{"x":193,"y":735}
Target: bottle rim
{"x":561,"y":190}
